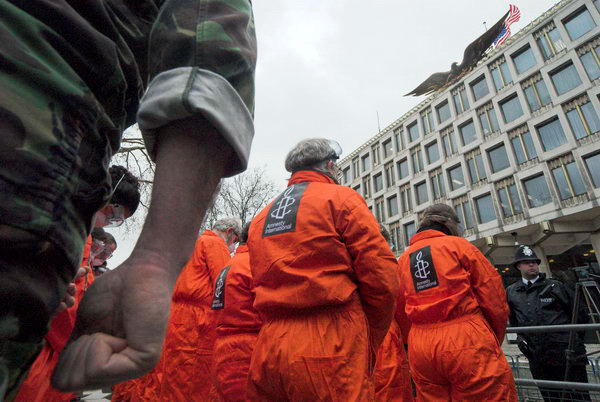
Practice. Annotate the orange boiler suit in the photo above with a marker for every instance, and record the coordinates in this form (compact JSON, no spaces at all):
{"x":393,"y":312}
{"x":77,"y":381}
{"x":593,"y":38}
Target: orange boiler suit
{"x":457,"y":306}
{"x":36,"y":386}
{"x":184,"y":370}
{"x":326,"y":288}
{"x":238,"y":324}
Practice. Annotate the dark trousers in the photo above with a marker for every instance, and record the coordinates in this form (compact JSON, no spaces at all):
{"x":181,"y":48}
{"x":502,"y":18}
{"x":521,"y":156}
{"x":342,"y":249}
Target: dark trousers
{"x":578,"y":373}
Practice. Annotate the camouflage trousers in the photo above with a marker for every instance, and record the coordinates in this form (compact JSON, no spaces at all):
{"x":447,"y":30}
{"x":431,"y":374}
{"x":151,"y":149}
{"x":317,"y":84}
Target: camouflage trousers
{"x":72,"y":77}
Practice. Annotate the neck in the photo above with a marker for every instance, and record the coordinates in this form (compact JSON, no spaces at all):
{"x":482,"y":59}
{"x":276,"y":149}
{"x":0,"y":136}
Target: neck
{"x":529,"y":277}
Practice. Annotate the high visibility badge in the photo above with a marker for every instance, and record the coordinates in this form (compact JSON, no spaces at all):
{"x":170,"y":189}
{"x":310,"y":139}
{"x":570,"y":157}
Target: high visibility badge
{"x":218,"y":302}
{"x":284,"y":211}
{"x":422,"y":269}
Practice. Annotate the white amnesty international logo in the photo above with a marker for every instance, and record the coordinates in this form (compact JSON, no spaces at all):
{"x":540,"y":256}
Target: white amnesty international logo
{"x":421,"y":267}
{"x":219,"y":286}
{"x":284,"y":204}
{"x":527,"y":251}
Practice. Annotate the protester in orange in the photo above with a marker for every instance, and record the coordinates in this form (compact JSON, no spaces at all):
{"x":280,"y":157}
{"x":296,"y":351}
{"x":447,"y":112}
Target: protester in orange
{"x":125,"y":198}
{"x":184,"y":371}
{"x":325,"y":283}
{"x":392,"y":375}
{"x":457,"y":306}
{"x":237,"y":324}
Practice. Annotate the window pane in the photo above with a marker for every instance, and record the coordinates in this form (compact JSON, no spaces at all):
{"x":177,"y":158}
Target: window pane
{"x":505,"y":73}
{"x":537,"y":191}
{"x":409,"y":231}
{"x":524,"y":60}
{"x":556,"y":40}
{"x":591,"y":66}
{"x":504,"y":203}
{"x":480,"y":88}
{"x":493,"y":120}
{"x":552,"y":135}
{"x":576,"y":124}
{"x":480,"y":168}
{"x":561,"y":183}
{"x":378,"y":180}
{"x":433,"y":153}
{"x":485,"y":209}
{"x":421,"y":193}
{"x":497,"y":79}
{"x":565,"y":79}
{"x":498,"y":159}
{"x":443,"y":112}
{"x":593,"y":166}
{"x":465,"y":100}
{"x":366,"y":163}
{"x":468,"y":215}
{"x":457,"y":104}
{"x":542,"y":91}
{"x":403,"y":169}
{"x":591,"y":117}
{"x":467,"y":133}
{"x":473,"y":176}
{"x":576,"y":180}
{"x":518,"y":148}
{"x":485,"y":125}
{"x":388,"y":148}
{"x":511,"y":109}
{"x":514,"y":196}
{"x":579,"y":25}
{"x":457,"y":179}
{"x":529,"y":147}
{"x":413,"y":132}
{"x":545,"y":47}
{"x":532,"y":99}
{"x":392,"y":206}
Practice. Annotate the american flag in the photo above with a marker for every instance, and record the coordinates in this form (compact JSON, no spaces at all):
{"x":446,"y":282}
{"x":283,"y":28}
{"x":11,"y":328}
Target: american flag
{"x":513,"y":16}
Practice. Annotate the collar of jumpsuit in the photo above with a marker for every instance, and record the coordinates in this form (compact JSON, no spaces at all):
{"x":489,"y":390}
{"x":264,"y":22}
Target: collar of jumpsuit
{"x":426,"y":234}
{"x":242,"y":248}
{"x":302,"y":176}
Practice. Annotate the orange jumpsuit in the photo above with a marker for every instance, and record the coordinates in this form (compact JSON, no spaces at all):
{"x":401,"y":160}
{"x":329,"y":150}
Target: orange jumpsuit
{"x":326,"y":284}
{"x":238,"y":325}
{"x":392,"y":375}
{"x":184,"y":370}
{"x":36,"y":386}
{"x":457,"y":306}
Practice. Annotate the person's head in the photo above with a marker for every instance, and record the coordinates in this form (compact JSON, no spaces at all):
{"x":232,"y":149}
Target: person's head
{"x":442,"y":214}
{"x":124,"y":199}
{"x":103,"y":246}
{"x":527,"y":262}
{"x":229,"y":229}
{"x":318,"y":154}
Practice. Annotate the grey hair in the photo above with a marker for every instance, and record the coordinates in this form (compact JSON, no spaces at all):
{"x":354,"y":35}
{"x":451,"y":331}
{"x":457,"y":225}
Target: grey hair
{"x":230,"y":222}
{"x":310,"y":153}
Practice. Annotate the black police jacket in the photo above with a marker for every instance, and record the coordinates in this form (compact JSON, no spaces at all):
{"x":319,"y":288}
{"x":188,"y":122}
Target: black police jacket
{"x":546,"y":302}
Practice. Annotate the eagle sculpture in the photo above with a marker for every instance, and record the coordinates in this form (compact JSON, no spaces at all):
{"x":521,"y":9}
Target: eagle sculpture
{"x":473,"y":53}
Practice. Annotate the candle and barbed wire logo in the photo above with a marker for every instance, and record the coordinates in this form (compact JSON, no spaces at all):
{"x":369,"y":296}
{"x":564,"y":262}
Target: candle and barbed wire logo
{"x":283,"y":212}
{"x":218,"y":301}
{"x":423,"y":271}
{"x":421,"y":267}
{"x":284,"y":204}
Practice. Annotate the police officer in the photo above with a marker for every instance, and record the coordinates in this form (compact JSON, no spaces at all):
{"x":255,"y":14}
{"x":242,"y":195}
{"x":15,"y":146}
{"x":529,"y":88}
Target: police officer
{"x":538,"y":300}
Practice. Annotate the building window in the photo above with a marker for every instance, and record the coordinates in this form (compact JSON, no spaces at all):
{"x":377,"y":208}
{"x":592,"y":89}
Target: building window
{"x":399,"y":139}
{"x":567,"y":177}
{"x":589,"y":54}
{"x":355,"y":169}
{"x":388,"y":148}
{"x":459,"y":97}
{"x":565,"y":78}
{"x":406,"y":199}
{"x":427,"y":121}
{"x":479,"y":88}
{"x":417,"y":159}
{"x":597,"y":4}
{"x":376,"y":157}
{"x":421,"y":191}
{"x":485,"y":209}
{"x":366,"y":184}
{"x":457,"y":179}
{"x":524,"y":59}
{"x":346,"y":175}
{"x":582,"y":117}
{"x":433,"y":152}
{"x":389,"y":174}
{"x":467,"y":132}
{"x":549,"y":41}
{"x":392,"y":205}
{"x":488,"y":119}
{"x":437,"y":183}
{"x":537,"y":191}
{"x":443,"y":112}
{"x":510,"y":203}
{"x":579,"y":24}
{"x":413,"y":132}
{"x":395,"y":236}
{"x":500,"y":73}
{"x":511,"y":109}
{"x":463,"y":209}
{"x":498,"y":158}
{"x":522,"y":144}
{"x":593,"y":166}
{"x":378,"y":182}
{"x":551,"y":134}
{"x":409,"y":231}
{"x":379,"y":214}
{"x":475,"y":166}
{"x":366,"y":163}
{"x":402,"y":169}
{"x":357,"y":188}
{"x":536,"y":92}
{"x":449,"y":142}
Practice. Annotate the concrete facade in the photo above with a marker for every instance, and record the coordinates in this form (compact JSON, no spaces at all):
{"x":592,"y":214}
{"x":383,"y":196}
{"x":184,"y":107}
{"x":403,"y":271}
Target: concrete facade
{"x":531,"y":175}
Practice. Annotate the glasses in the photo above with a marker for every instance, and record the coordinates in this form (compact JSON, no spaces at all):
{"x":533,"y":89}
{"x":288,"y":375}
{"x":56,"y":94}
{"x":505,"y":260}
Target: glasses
{"x":337,"y":150}
{"x":116,"y":216}
{"x":101,"y":250}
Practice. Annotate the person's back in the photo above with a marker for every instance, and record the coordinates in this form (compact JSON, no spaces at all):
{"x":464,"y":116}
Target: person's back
{"x":455,"y":302}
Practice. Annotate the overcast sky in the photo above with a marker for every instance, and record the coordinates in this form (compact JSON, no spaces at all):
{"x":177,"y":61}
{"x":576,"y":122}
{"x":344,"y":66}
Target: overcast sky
{"x":326,"y":67}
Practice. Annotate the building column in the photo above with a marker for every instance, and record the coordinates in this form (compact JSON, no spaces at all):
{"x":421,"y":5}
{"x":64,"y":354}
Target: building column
{"x":544,"y":266}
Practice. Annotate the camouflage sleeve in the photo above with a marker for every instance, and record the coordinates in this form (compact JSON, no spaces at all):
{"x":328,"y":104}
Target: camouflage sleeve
{"x":201,"y":60}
